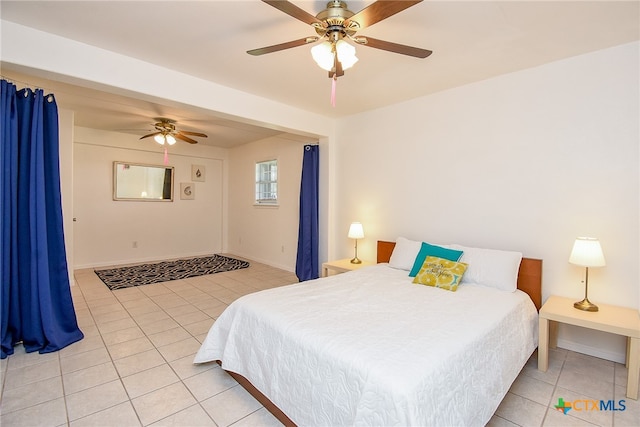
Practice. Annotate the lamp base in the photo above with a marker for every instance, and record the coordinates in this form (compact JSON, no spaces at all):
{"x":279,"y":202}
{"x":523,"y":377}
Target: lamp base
{"x":585,"y":305}
{"x":356,"y":260}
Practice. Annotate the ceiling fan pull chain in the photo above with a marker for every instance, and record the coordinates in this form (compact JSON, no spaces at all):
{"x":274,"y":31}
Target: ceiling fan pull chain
{"x":333,"y":90}
{"x":166,"y":156}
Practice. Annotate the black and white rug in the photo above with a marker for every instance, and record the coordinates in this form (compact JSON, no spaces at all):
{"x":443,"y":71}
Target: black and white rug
{"x":145,"y":274}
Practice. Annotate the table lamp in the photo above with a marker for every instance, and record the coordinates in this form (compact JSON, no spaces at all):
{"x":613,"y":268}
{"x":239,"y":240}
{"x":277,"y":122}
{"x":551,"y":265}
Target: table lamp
{"x":587,"y":253}
{"x":356,"y":232}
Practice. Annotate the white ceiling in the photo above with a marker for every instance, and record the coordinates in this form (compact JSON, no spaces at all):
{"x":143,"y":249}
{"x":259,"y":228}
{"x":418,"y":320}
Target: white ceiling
{"x":471,"y":41}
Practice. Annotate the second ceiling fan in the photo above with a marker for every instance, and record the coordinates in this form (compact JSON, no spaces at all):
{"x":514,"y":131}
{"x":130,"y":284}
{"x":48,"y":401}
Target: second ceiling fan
{"x":335,"y":24}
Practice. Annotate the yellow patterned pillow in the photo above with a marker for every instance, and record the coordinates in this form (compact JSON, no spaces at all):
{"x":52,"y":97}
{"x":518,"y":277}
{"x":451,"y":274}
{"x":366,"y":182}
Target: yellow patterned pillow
{"x":440,"y":273}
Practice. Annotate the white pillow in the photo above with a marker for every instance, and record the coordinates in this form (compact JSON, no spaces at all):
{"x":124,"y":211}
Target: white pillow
{"x":490,"y":267}
{"x":404,"y":254}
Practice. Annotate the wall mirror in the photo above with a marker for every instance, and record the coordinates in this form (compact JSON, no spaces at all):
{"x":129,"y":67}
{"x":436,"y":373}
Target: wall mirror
{"x":136,"y":181}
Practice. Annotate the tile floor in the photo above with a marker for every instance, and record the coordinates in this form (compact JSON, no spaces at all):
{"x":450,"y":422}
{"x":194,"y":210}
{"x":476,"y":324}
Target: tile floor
{"x":134,"y":366}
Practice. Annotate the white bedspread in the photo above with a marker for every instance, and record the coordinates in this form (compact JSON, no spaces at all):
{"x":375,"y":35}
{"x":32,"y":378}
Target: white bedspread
{"x":368,"y":347}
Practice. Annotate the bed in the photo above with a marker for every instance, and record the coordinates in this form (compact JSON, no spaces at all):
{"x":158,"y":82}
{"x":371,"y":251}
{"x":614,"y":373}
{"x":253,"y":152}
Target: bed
{"x":369,"y":347}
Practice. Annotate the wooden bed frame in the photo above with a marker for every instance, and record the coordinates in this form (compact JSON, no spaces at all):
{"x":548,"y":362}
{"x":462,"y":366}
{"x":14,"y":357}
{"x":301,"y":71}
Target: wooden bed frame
{"x":529,"y":281}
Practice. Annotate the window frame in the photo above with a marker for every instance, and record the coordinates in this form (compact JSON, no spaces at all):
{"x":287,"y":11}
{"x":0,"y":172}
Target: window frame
{"x":265,"y":202}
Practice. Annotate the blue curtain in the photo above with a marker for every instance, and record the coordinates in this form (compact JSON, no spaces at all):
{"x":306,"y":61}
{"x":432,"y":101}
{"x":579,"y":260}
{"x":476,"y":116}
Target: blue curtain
{"x":307,"y":267}
{"x":36,"y":306}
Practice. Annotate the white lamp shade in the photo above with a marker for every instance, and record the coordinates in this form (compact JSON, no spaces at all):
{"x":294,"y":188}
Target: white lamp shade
{"x":587,"y":252}
{"x":346,"y":54}
{"x":323,"y":55}
{"x":170,"y":139}
{"x":356,"y":231}
{"x":159,"y":138}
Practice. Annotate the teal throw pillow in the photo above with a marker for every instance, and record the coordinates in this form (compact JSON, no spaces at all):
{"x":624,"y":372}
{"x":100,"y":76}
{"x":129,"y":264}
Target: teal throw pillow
{"x":435,"y":251}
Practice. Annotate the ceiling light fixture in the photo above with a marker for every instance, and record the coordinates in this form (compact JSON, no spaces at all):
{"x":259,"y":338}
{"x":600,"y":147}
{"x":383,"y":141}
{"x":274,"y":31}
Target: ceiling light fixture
{"x":162,"y":138}
{"x":326,"y":53}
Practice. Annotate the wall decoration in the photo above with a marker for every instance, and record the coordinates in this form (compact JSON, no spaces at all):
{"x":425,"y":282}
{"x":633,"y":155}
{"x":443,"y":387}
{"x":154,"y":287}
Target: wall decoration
{"x":197,"y":173}
{"x":187,"y":191}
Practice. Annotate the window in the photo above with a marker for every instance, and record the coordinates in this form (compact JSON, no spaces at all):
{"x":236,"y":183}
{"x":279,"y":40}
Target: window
{"x":267,"y":182}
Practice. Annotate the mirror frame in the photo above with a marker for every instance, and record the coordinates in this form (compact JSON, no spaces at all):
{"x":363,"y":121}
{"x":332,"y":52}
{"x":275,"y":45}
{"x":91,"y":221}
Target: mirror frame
{"x":118,"y":163}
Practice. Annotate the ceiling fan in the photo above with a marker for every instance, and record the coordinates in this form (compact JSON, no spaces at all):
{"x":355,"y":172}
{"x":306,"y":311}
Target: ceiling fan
{"x":335,"y":24}
{"x":166,"y":132}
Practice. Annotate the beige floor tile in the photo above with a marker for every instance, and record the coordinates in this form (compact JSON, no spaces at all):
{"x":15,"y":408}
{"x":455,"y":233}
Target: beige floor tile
{"x":193,"y":416}
{"x":111,"y":316}
{"x":88,"y":343}
{"x":150,"y":318}
{"x":209,"y":383}
{"x":147,"y":308}
{"x":180,"y":310}
{"x":116,"y":325}
{"x":138,"y":362}
{"x":521,"y":411}
{"x":30,"y":374}
{"x":99,"y":310}
{"x":95,"y":399}
{"x":559,"y":419}
{"x":122,"y":335}
{"x":580,"y":383}
{"x":169,"y":337}
{"x":179,"y":349}
{"x":497,"y":421}
{"x":84,"y":360}
{"x":201,"y":327}
{"x":31,"y":394}
{"x":185,"y":367}
{"x":121,"y":415}
{"x":150,"y":380}
{"x":90,"y":377}
{"x":532,"y":389}
{"x":162,"y":403}
{"x":196,"y":316}
{"x":159,"y":326}
{"x":230,"y":406}
{"x":155,"y":289}
{"x":261,"y":417}
{"x":20,"y":359}
{"x":129,"y":348}
{"x":50,"y":413}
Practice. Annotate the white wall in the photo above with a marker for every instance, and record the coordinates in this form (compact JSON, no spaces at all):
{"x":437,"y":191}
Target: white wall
{"x":267,"y":234}
{"x":526,"y":161}
{"x":105,"y":229}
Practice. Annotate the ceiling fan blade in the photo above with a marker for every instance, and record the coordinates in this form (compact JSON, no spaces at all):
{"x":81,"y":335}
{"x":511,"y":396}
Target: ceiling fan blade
{"x":282,"y":46}
{"x":393,"y":47}
{"x":151,"y":134}
{"x":184,"y":132}
{"x":294,"y":11}
{"x":185,"y":138}
{"x":376,"y":12}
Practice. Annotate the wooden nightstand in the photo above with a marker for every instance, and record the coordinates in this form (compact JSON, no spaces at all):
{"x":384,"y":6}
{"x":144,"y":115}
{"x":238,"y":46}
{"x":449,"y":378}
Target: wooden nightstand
{"x":609,"y":318}
{"x":342,"y":266}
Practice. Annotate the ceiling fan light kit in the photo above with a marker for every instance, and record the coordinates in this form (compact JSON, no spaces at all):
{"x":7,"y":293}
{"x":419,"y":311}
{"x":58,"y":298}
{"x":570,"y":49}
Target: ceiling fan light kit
{"x":167,"y":134}
{"x":335,"y":24}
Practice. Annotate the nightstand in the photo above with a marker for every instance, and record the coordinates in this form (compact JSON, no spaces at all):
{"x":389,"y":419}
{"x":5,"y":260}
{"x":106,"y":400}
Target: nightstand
{"x":342,"y":266}
{"x":616,"y":320}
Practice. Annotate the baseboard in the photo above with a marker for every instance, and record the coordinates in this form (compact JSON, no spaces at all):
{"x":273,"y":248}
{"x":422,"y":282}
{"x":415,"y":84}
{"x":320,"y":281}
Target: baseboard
{"x":263,"y":261}
{"x":592,"y":351}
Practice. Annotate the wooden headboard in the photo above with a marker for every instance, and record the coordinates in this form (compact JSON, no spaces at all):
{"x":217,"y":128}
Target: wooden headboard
{"x":529,"y":275}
